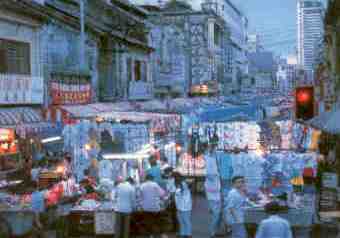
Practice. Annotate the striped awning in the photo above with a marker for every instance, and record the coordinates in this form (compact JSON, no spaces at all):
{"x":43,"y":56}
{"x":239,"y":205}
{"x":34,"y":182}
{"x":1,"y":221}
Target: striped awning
{"x":19,"y":115}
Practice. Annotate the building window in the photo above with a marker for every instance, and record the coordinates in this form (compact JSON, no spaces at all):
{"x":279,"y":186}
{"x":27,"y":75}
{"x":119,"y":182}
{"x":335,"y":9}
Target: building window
{"x":138,"y":69}
{"x":217,"y":35}
{"x":15,"y":57}
{"x":129,"y":69}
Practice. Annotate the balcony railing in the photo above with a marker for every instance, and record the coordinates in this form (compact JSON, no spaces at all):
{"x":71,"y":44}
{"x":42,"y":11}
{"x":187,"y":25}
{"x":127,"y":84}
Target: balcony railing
{"x":21,"y":89}
{"x":140,"y":91}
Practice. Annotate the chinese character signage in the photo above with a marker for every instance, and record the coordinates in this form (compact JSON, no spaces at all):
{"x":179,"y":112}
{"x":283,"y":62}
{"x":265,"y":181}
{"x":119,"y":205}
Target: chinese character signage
{"x":70,"y":89}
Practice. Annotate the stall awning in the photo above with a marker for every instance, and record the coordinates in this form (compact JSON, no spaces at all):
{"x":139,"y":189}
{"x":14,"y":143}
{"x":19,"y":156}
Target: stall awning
{"x":92,"y":110}
{"x":88,"y":110}
{"x":159,"y":122}
{"x":19,"y":115}
{"x":327,"y":121}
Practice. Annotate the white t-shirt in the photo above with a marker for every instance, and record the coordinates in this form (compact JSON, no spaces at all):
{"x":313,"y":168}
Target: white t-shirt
{"x":125,"y":195}
{"x":237,"y":202}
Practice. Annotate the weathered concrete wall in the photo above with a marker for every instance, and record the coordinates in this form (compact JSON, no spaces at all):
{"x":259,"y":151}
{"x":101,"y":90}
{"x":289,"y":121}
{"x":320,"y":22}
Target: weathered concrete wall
{"x":61,"y":49}
{"x":170,"y":57}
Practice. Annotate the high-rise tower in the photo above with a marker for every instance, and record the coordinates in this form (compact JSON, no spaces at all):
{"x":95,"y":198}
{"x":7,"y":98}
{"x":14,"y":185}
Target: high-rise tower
{"x":309,"y":30}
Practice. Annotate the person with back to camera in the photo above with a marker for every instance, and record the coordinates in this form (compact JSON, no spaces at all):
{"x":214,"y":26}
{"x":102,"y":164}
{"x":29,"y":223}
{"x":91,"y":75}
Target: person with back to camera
{"x":151,"y":196}
{"x":184,"y":206}
{"x":274,"y":226}
{"x":126,"y":203}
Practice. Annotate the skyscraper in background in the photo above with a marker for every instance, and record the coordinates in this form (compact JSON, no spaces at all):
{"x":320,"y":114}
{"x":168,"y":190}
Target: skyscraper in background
{"x":309,"y":31}
{"x":254,"y":43}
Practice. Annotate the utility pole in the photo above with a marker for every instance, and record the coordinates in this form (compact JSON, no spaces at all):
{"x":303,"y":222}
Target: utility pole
{"x":82,"y":35}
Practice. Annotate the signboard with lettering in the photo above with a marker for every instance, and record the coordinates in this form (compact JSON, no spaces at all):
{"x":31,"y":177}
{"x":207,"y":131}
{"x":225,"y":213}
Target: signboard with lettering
{"x":70,"y":89}
{"x":105,"y":222}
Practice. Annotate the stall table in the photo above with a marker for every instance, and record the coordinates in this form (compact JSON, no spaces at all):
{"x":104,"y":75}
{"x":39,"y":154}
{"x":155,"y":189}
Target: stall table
{"x":83,"y":222}
{"x":332,"y":215}
{"x":18,"y":220}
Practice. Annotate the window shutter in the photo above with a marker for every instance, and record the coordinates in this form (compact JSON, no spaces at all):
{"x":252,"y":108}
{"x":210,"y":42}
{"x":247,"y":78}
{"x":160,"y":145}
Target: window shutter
{"x":3,"y":58}
{"x":15,"y":57}
{"x":26,"y":58}
{"x":137,"y":70}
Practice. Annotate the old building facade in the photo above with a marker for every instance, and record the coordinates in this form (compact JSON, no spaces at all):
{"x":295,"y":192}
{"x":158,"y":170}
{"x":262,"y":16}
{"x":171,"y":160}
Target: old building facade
{"x":21,"y":72}
{"x":190,"y":49}
{"x":62,"y":66}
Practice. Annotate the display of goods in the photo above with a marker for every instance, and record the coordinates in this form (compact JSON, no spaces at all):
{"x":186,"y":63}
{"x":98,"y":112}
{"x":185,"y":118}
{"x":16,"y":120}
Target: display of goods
{"x":48,"y":178}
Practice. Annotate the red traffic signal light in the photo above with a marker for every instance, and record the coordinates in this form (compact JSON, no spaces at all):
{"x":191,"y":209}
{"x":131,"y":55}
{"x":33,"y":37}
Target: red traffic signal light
{"x":304,"y":103}
{"x":303,"y":96}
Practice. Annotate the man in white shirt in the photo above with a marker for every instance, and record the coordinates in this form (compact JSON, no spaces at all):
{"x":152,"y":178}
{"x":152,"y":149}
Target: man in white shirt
{"x":274,"y":226}
{"x":125,"y":204}
{"x":213,"y":192}
{"x":235,"y":208}
{"x":151,"y":195}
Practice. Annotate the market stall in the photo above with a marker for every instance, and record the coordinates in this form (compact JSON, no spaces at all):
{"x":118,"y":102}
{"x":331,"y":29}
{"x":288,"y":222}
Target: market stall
{"x":164,"y":129}
{"x":329,"y":169}
{"x":279,"y":160}
{"x":97,"y":217}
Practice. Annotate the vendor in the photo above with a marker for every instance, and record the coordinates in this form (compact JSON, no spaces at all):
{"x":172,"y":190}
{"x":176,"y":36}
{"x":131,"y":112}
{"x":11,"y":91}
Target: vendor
{"x":155,"y":170}
{"x":28,"y":167}
{"x":169,"y":180}
{"x":151,"y":196}
{"x":94,"y":170}
{"x":274,"y":225}
{"x":88,"y":184}
{"x":67,"y":164}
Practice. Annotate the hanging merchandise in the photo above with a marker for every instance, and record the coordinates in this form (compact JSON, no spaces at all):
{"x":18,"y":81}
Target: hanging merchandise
{"x":229,"y":136}
{"x":192,"y":165}
{"x":270,"y":135}
{"x":286,"y":128}
{"x":225,"y":166}
{"x":105,"y":169}
{"x":80,"y":141}
{"x":251,"y":167}
{"x":211,"y":164}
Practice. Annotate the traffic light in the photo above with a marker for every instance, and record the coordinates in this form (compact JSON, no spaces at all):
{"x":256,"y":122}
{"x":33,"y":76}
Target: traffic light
{"x":304,"y":103}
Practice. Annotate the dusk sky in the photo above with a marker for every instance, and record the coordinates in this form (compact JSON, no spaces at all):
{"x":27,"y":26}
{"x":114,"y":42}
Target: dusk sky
{"x":274,"y":20}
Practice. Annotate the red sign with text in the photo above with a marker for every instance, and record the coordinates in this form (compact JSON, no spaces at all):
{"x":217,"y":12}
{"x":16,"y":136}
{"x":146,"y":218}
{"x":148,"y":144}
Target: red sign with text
{"x":68,"y":94}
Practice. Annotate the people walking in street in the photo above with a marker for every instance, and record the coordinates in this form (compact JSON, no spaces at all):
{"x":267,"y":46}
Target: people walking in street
{"x":235,"y":208}
{"x":184,"y":206}
{"x":151,"y":196}
{"x":126,"y":201}
{"x":213,"y":191}
{"x":274,"y":226}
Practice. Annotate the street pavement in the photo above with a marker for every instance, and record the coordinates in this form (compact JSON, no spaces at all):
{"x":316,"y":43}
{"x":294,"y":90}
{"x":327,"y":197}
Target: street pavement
{"x":200,"y":223}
